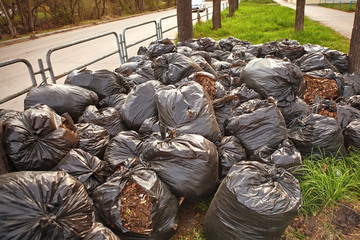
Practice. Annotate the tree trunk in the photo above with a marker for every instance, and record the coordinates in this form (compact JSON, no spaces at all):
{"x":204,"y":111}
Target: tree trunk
{"x":8,"y":20}
{"x":354,"y":52}
{"x":184,"y":20}
{"x":236,"y":4}
{"x":31,"y":26}
{"x":103,"y":8}
{"x":299,"y":17}
{"x":231,"y":8}
{"x":132,"y":6}
{"x":21,"y":13}
{"x":216,"y":19}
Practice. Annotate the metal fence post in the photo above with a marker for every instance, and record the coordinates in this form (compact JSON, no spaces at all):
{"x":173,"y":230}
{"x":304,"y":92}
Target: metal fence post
{"x":42,"y":71}
{"x":207,"y":14}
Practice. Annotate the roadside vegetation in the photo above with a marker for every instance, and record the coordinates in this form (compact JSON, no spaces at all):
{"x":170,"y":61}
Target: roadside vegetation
{"x":338,"y":5}
{"x":263,"y":21}
{"x":330,"y":185}
{"x":53,"y":14}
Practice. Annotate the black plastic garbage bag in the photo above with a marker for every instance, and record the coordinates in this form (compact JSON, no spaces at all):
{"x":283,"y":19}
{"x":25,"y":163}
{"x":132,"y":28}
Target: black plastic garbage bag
{"x":86,"y":168}
{"x":346,"y":114}
{"x":7,"y":113}
{"x":245,"y":94}
{"x":220,"y":55}
{"x":187,"y":109}
{"x":294,"y":110}
{"x":128,"y":68}
{"x":224,"y":108}
{"x":160,"y":47}
{"x":230,"y":152}
{"x":191,"y":43}
{"x":237,"y":56}
{"x":252,"y":49}
{"x":125,"y":145}
{"x":100,"y":232}
{"x":273,"y":78}
{"x":267,"y":49}
{"x":352,"y":85}
{"x":338,"y":59}
{"x":314,"y":61}
{"x":43,"y":205}
{"x":208,"y":44}
{"x":5,"y":164}
{"x":62,"y":98}
{"x":140,"y":104}
{"x":285,"y":155}
{"x":37,"y":139}
{"x":257,"y":123}
{"x":290,"y":49}
{"x":188,"y":164}
{"x":172,"y":67}
{"x":93,"y":138}
{"x":184,"y":50}
{"x":317,"y":135}
{"x":164,"y":205}
{"x":149,"y":126}
{"x":228,"y":43}
{"x":354,"y":101}
{"x":312,"y":48}
{"x":103,"y":82}
{"x":108,"y":118}
{"x":220,"y":90}
{"x":116,"y":101}
{"x":254,"y":201}
{"x":352,"y":134}
{"x":204,"y":65}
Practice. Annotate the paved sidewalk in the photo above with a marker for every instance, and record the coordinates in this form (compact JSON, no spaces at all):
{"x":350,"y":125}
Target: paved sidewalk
{"x":341,"y":22}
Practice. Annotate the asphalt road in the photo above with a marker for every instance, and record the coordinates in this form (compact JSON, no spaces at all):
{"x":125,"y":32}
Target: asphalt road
{"x":15,"y":77}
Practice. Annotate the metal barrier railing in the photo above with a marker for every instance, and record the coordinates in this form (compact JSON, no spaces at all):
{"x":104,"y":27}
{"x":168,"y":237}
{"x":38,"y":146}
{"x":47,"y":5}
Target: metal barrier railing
{"x":32,"y":77}
{"x":333,"y":2}
{"x":121,"y":50}
{"x":48,"y":55}
{"x":123,"y":38}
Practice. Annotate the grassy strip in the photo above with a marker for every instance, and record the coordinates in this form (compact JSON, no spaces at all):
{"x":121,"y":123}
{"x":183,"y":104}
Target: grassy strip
{"x":260,"y":23}
{"x":326,"y":181}
{"x":342,"y":7}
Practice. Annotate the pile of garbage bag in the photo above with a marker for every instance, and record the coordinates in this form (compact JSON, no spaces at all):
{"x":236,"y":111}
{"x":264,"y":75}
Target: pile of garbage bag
{"x":113,"y":154}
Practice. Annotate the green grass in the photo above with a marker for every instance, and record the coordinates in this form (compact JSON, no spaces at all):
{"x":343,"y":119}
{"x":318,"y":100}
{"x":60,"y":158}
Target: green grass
{"x":261,"y":23}
{"x":328,"y":180}
{"x":342,"y":7}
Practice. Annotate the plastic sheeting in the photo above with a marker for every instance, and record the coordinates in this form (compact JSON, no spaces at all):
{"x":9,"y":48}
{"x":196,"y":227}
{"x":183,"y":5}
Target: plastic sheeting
{"x":37,"y":139}
{"x":88,"y":169}
{"x":254,"y":201}
{"x":188,"y":164}
{"x":164,"y":204}
{"x":62,"y":98}
{"x":44,"y":205}
{"x":187,"y":109}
